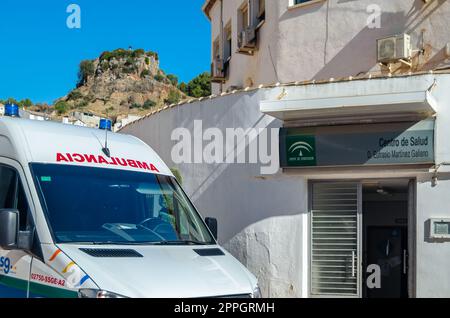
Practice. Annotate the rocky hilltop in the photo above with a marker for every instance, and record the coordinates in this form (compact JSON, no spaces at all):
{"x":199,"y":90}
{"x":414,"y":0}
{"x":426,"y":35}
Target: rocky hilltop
{"x":122,"y":85}
{"x":120,"y":82}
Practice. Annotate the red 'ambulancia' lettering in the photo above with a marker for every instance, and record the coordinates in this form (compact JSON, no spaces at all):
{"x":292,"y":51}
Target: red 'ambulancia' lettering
{"x":78,"y":158}
{"x":90,"y":158}
{"x":114,"y":161}
{"x":102,"y":160}
{"x":121,"y":162}
{"x":132,"y":163}
{"x":143,"y":165}
{"x":60,"y":157}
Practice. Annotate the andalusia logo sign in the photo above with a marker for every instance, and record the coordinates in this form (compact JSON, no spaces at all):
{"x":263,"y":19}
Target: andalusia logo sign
{"x":301,"y":150}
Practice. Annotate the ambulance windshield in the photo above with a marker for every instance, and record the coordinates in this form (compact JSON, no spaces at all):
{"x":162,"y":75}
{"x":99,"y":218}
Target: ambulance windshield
{"x":109,"y":206}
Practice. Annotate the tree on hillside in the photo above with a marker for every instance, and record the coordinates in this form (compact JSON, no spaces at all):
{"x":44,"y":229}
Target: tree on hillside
{"x":200,"y":86}
{"x":87,"y":69}
{"x":22,"y":103}
{"x":173,"y":79}
{"x":173,"y":98}
{"x":12,"y":100}
{"x":61,"y":107}
{"x":26,"y":102}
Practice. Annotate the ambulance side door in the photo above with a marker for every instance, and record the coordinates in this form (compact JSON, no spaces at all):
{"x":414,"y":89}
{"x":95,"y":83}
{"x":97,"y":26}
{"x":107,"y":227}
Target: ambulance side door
{"x":14,"y":264}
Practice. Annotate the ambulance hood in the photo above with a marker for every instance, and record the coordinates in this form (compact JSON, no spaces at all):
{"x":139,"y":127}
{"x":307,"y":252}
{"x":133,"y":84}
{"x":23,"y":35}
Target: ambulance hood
{"x":165,"y":271}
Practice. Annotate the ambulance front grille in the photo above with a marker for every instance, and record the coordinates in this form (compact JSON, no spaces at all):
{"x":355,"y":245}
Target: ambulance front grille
{"x":103,"y":252}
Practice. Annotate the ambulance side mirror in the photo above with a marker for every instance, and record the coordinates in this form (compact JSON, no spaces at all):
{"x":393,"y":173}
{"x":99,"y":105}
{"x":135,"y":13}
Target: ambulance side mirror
{"x":9,"y":228}
{"x":212,"y":225}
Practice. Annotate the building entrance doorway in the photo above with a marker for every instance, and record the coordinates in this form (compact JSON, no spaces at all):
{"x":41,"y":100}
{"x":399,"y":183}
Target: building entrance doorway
{"x":360,"y":238}
{"x":385,"y":238}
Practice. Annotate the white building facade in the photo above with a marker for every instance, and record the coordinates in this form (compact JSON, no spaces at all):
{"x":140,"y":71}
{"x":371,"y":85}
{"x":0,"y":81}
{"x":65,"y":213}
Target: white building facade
{"x":291,"y":40}
{"x":337,"y":185}
{"x":392,"y":201}
{"x":86,"y":119}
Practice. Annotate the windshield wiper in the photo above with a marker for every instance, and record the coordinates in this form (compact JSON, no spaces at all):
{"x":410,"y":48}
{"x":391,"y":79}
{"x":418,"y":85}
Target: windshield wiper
{"x":109,"y":243}
{"x":180,"y":242}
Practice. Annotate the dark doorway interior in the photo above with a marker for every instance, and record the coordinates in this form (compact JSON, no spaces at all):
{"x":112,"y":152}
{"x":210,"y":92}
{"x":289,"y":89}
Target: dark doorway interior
{"x":385,"y":237}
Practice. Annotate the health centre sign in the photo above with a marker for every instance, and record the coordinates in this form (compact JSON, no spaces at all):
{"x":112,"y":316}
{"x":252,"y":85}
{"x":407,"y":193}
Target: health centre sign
{"x":358,"y":145}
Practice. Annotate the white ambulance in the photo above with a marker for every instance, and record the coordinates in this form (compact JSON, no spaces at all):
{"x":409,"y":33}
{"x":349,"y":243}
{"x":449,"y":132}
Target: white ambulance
{"x":82,"y":217}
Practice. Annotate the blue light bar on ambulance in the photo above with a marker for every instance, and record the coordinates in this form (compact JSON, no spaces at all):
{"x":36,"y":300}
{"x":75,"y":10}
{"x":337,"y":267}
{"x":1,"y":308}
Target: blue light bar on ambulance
{"x":105,"y":124}
{"x":12,"y":110}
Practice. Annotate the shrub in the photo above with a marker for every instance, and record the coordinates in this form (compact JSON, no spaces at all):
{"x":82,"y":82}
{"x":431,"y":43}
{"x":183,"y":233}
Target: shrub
{"x":106,"y":56}
{"x":173,"y":79}
{"x":121,"y":53}
{"x":74,"y":95}
{"x":135,"y":105}
{"x":138,"y":53}
{"x":145,"y":73}
{"x":82,"y":104}
{"x":153,"y":54}
{"x":87,"y":69}
{"x":105,"y":66}
{"x":12,"y":101}
{"x":61,"y":107}
{"x":129,"y":69}
{"x":149,"y":104}
{"x":147,"y":60}
{"x":129,"y":61}
{"x":159,"y":77}
{"x":90,"y":97}
{"x":26,"y":103}
{"x":200,"y":86}
{"x":173,"y":98}
{"x":183,"y":87}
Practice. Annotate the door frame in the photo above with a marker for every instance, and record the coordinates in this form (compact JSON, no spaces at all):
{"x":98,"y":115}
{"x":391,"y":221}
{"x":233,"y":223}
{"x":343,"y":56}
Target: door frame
{"x":411,"y":232}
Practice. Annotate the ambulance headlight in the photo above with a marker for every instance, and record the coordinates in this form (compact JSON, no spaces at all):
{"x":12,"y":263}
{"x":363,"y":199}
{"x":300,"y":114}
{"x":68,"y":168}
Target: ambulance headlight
{"x":97,"y":293}
{"x":257,"y":292}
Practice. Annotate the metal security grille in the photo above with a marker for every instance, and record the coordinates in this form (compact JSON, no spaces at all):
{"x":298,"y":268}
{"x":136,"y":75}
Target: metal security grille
{"x":334,"y":242}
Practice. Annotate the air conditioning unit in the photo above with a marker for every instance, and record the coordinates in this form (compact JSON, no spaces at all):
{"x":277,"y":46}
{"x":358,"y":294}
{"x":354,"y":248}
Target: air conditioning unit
{"x":394,"y":48}
{"x":218,"y":70}
{"x":247,"y":40}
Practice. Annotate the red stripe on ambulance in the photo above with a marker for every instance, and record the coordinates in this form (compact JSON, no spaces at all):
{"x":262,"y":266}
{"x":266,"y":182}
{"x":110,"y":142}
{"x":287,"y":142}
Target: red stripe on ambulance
{"x":113,"y":161}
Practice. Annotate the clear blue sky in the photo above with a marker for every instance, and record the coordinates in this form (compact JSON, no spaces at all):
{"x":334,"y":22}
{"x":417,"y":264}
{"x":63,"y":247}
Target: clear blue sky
{"x":39,"y":54}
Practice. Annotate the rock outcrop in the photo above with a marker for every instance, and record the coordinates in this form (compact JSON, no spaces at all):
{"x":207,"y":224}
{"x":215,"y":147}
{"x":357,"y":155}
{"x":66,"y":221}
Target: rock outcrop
{"x":121,"y":82}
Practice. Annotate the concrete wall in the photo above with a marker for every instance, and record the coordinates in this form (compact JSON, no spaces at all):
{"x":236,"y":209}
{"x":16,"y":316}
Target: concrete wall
{"x":433,"y":257}
{"x":263,"y":220}
{"x":332,"y":38}
{"x":260,"y":219}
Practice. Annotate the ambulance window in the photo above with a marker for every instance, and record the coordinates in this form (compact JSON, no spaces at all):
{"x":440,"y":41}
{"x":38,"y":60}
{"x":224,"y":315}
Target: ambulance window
{"x":12,"y":195}
{"x":24,"y":209}
{"x":8,"y":179}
